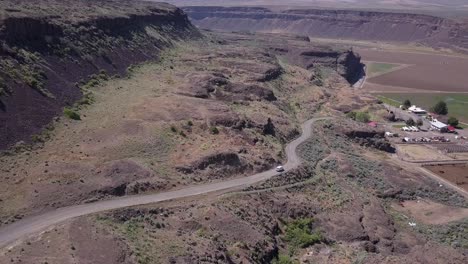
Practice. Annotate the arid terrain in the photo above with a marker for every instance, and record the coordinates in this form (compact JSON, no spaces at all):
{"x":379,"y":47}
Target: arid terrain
{"x":199,"y":114}
{"x":139,"y":102}
{"x":53,"y":51}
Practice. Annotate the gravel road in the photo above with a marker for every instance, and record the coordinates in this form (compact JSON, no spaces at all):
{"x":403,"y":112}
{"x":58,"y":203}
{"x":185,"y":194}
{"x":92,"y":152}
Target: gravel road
{"x":35,"y":224}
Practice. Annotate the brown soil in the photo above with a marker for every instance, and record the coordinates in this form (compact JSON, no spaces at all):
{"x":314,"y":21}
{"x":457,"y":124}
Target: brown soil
{"x":457,"y":174}
{"x":78,"y":241}
{"x":429,"y":212}
{"x":429,"y":72}
{"x":420,"y":153}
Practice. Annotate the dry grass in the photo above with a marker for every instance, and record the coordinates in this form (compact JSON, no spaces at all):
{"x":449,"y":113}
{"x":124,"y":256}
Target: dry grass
{"x":432,"y":213}
{"x":420,"y":153}
{"x":130,"y":120}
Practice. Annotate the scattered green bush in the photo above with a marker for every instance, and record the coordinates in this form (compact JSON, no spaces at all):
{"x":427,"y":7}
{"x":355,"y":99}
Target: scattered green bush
{"x":87,"y":99}
{"x":312,"y":151}
{"x":214,"y":130}
{"x":71,"y":114}
{"x":317,"y":77}
{"x":34,"y":83}
{"x":419,"y":123}
{"x":299,"y":234}
{"x":92,"y":83}
{"x":37,"y":139}
{"x":452,"y":234}
{"x":173,"y":128}
{"x":453,"y":121}
{"x":284,"y":259}
{"x":96,"y":79}
{"x":351,"y":115}
{"x":410,"y":122}
{"x":363,"y":117}
{"x":3,"y":87}
{"x":103,"y":75}
{"x":189,"y":123}
{"x":406,"y":104}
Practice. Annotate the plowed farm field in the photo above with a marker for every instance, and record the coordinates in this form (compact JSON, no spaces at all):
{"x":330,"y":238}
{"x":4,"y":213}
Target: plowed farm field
{"x":424,"y":71}
{"x":457,"y":174}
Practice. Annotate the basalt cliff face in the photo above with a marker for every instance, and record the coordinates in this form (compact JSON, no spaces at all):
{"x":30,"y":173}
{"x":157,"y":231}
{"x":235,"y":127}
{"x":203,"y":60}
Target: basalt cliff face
{"x":50,"y":50}
{"x":343,"y":24}
{"x":346,"y":63}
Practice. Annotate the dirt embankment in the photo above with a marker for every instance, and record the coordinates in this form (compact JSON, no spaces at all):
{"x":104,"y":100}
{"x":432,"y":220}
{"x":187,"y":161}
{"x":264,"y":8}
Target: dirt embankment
{"x":47,"y":56}
{"x":361,"y":25}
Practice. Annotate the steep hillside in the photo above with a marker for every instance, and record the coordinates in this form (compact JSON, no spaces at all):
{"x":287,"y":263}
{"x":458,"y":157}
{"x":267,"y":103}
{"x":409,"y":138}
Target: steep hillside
{"x":206,"y":111}
{"x":50,"y":50}
{"x":342,"y":24}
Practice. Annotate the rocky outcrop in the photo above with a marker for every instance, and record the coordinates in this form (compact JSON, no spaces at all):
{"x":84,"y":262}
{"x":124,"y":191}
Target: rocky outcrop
{"x":349,"y":24}
{"x":223,"y":159}
{"x":216,"y":164}
{"x":371,"y":138}
{"x":271,"y":74}
{"x":31,"y":31}
{"x":202,"y":85}
{"x":349,"y":66}
{"x":48,"y":54}
{"x":269,"y":128}
{"x":347,"y":63}
{"x":249,"y":92}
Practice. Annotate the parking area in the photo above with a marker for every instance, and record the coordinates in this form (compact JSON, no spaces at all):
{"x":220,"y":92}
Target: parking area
{"x":424,"y":131}
{"x":424,"y":144}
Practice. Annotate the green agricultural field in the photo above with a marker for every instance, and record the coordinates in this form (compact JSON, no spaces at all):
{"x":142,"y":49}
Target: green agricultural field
{"x":457,"y":103}
{"x":389,"y":101}
{"x":377,"y":68}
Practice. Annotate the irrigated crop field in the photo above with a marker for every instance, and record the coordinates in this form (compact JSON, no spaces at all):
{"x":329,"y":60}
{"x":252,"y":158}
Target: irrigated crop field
{"x":457,"y":174}
{"x":423,"y":78}
{"x":457,"y":103}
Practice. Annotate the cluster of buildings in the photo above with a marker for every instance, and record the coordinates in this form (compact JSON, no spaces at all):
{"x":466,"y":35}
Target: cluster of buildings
{"x":442,"y":127}
{"x":435,"y":124}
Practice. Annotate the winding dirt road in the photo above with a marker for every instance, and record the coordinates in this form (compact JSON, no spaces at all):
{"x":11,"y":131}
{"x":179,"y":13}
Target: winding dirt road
{"x":35,"y":224}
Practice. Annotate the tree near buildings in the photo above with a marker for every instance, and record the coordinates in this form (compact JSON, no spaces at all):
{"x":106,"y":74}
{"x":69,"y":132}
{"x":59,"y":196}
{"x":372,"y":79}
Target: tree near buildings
{"x":407,"y":104}
{"x":441,"y":108}
{"x":453,"y":121}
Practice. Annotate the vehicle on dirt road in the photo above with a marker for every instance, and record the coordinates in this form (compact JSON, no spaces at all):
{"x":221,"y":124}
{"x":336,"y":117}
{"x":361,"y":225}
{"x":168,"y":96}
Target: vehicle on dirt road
{"x":280,"y":169}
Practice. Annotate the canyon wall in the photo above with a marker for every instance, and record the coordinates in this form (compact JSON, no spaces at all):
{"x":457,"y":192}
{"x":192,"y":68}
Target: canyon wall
{"x":337,"y":24}
{"x":49,"y":51}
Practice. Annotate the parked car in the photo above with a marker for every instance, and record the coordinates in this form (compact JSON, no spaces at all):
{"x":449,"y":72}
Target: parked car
{"x":280,"y":169}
